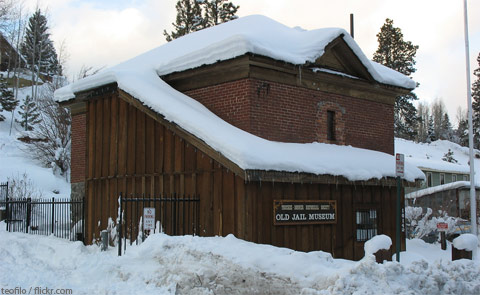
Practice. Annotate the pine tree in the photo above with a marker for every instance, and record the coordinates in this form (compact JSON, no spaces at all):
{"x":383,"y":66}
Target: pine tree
{"x":446,"y":130}
{"x":448,"y":157}
{"x":37,"y":47}
{"x":29,"y":114}
{"x":189,"y":19}
{"x":8,"y":102}
{"x":462,"y":132}
{"x":219,"y":11}
{"x":195,"y":15}
{"x":399,"y":55}
{"x":431,"y":136}
{"x":476,"y":105}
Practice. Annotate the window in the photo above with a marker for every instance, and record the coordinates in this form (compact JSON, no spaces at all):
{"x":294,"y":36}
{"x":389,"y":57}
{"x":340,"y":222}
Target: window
{"x":330,"y":125}
{"x":429,"y":179}
{"x":465,"y":178}
{"x":454,"y":177}
{"x":442,"y":178}
{"x":366,"y":224}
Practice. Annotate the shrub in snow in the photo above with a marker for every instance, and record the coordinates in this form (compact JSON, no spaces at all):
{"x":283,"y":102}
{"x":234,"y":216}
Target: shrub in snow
{"x":50,"y":139}
{"x":21,"y":186}
{"x":380,"y":242}
{"x":466,"y":242}
{"x":448,"y":157}
{"x":420,"y":224}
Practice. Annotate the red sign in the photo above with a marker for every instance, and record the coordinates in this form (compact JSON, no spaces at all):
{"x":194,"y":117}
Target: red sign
{"x":442,"y":226}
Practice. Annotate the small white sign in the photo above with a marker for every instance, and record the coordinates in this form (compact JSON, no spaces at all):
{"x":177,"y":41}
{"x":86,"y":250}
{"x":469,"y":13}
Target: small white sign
{"x":148,"y":218}
{"x":399,"y":165}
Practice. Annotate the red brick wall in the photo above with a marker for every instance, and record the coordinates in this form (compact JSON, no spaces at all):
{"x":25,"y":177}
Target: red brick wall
{"x":287,"y":113}
{"x":79,"y":140}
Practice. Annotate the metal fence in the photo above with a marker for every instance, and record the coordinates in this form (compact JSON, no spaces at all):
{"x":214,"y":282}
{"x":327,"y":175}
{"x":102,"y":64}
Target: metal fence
{"x":3,"y":194}
{"x":173,"y":215}
{"x":61,"y":217}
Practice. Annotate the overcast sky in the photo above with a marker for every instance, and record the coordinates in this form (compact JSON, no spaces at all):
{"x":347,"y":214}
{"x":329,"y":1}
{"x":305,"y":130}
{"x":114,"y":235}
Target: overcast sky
{"x":105,"y":32}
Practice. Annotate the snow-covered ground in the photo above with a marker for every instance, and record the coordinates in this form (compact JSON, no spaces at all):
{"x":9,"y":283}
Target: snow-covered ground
{"x":429,"y":155}
{"x":224,"y":265}
{"x":15,"y":160}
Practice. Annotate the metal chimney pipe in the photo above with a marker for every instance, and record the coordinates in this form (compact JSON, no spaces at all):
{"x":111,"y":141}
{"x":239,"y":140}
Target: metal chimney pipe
{"x":351,"y":24}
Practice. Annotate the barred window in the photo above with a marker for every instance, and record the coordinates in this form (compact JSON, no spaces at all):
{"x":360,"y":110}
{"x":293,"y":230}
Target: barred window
{"x":330,"y":125}
{"x":366,"y":224}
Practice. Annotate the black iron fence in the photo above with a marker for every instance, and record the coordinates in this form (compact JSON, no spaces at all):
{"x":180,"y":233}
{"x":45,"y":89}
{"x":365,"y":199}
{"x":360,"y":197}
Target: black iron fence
{"x":3,"y":195}
{"x":61,"y":217}
{"x":173,"y":215}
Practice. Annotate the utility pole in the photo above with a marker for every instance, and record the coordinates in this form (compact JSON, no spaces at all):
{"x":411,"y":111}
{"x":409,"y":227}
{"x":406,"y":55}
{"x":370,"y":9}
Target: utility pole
{"x":473,"y":201}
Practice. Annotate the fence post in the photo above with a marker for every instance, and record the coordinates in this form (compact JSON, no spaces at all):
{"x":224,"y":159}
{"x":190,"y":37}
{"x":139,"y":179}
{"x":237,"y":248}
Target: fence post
{"x":53,"y":215}
{"x":29,"y":212}
{"x":7,"y":218}
{"x":120,"y":228}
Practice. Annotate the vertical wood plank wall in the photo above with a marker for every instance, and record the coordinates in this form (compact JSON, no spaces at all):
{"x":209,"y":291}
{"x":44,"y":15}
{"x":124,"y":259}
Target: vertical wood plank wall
{"x":130,"y":152}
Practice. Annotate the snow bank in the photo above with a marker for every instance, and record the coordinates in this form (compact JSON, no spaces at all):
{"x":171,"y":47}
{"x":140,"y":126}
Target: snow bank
{"x":466,"y":242}
{"x":380,"y":242}
{"x":217,"y":265}
{"x":260,"y":35}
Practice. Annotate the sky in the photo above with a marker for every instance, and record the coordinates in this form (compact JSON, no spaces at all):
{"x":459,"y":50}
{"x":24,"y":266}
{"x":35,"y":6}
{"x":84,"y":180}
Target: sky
{"x":102,"y":33}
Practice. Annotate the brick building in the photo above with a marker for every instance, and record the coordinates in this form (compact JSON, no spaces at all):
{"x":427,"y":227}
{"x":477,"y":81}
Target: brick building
{"x":300,"y":119}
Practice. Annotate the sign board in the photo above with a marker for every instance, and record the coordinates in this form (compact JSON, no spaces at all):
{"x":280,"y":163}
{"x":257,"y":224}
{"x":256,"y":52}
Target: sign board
{"x":442,"y":226}
{"x":295,"y":212}
{"x":148,"y":218}
{"x":399,"y":165}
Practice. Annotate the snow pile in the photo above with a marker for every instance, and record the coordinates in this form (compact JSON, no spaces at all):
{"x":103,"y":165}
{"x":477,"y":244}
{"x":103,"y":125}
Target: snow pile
{"x":260,"y":35}
{"x":466,"y":242}
{"x":216,"y":265}
{"x":380,"y":242}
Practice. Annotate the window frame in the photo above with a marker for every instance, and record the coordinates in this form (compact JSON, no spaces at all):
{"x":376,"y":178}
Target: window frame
{"x":366,"y":224}
{"x":331,"y":125}
{"x":429,"y":179}
{"x":442,"y":178}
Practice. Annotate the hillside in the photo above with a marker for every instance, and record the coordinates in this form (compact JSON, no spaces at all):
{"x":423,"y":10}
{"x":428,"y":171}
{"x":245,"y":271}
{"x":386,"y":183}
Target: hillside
{"x":15,"y":161}
{"x":429,"y":155}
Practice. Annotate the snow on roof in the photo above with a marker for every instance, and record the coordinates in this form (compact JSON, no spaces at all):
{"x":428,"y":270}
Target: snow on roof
{"x":438,"y":188}
{"x":139,"y":77}
{"x":428,"y":156}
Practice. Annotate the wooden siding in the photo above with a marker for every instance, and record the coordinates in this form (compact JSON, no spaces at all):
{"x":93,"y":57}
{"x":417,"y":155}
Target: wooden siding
{"x":132,"y":152}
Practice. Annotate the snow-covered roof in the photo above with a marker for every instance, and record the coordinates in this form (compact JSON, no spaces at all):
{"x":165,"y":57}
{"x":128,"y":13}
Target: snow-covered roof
{"x":139,"y":77}
{"x":438,"y":188}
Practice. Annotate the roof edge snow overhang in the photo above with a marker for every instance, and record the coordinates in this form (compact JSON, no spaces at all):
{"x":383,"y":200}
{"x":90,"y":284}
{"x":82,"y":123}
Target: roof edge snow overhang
{"x":78,"y":106}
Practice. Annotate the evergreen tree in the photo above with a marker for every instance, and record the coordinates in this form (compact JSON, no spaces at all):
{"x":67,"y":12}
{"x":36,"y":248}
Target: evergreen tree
{"x":476,"y":105}
{"x":189,"y":19}
{"x":8,"y":102}
{"x":399,"y":55}
{"x":462,"y":132}
{"x":219,"y":11}
{"x":37,"y":47}
{"x":446,"y":131}
{"x":195,"y":15}
{"x":431,"y":136}
{"x":29,"y":114}
{"x":448,"y":157}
